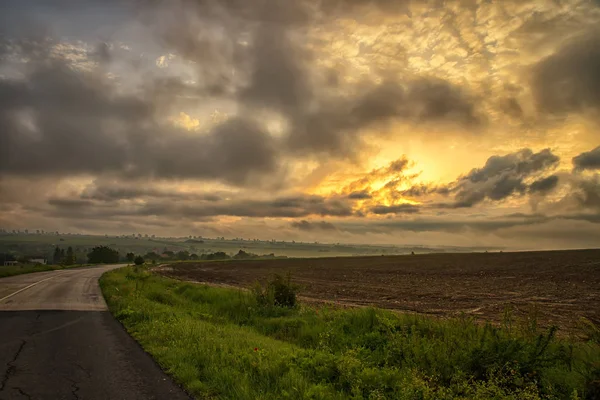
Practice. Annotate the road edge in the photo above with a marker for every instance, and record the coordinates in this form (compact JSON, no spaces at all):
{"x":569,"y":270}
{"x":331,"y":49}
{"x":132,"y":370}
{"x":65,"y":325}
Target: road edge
{"x":124,"y":329}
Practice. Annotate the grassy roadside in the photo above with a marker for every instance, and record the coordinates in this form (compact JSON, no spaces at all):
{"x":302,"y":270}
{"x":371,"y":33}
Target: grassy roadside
{"x":220,"y":343}
{"x":29,"y":268}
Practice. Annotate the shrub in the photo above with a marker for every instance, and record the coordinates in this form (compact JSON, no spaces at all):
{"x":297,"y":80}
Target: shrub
{"x":278,"y":291}
{"x":139,"y":260}
{"x":103,"y":254}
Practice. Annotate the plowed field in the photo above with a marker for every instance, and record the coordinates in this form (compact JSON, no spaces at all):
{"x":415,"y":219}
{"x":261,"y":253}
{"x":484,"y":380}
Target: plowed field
{"x":561,"y":286}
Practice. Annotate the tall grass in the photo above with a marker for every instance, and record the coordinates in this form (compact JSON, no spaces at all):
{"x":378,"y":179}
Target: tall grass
{"x":221,"y":343}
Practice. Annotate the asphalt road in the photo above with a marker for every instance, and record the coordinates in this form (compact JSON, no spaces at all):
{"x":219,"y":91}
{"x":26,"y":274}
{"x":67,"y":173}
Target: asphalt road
{"x":58,"y":341}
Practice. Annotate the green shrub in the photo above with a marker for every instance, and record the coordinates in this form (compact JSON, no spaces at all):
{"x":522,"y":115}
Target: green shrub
{"x":139,"y":260}
{"x":278,"y":291}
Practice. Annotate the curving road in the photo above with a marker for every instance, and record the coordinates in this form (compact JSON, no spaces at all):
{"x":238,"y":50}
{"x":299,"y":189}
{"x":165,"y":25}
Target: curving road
{"x":58,"y":341}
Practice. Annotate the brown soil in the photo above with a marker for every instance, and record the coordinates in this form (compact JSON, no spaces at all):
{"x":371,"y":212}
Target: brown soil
{"x":562,"y":286}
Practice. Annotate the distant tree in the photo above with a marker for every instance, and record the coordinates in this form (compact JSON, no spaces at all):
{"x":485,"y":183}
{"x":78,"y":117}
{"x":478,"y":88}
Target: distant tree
{"x":70,"y":257}
{"x":57,"y":258}
{"x":219,"y":255}
{"x":130,"y":257}
{"x":139,"y":260}
{"x":62,"y":255}
{"x":169,"y":253}
{"x":183,"y":255}
{"x":103,"y":254}
{"x":194,"y":256}
{"x":242,"y":254}
{"x":151,"y":256}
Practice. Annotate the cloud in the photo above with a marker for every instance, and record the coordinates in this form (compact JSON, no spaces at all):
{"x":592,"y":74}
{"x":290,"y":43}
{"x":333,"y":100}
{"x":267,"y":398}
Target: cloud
{"x":304,"y":225}
{"x":423,"y":189}
{"x":501,"y":177}
{"x":588,"y":160}
{"x":420,"y":100}
{"x":59,"y":121}
{"x":186,"y":208}
{"x":568,"y":80}
{"x":114,"y":190}
{"x":395,"y":209}
{"x":392,"y":173}
{"x":345,"y":7}
{"x":586,"y":192}
{"x":360,"y":195}
{"x":544,"y":185}
{"x":522,"y":162}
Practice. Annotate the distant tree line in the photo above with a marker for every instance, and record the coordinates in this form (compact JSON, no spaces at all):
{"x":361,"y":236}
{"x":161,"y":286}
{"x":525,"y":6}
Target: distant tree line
{"x":184,"y":255}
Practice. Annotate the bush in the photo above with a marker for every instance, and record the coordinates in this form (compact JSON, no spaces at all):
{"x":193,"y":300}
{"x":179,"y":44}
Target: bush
{"x":103,"y":255}
{"x":139,"y":260}
{"x":278,"y":291}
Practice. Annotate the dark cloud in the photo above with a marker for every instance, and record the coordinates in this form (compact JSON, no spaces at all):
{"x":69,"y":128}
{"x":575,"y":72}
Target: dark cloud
{"x":511,"y":107}
{"x":185,"y":208}
{"x":588,"y":160}
{"x":501,"y":177}
{"x":586,"y":192}
{"x":544,"y":185}
{"x":434,"y":100}
{"x":57,"y":121}
{"x":68,"y":122}
{"x":279,"y":78}
{"x":235,"y":151}
{"x":115,"y":190}
{"x":569,"y":79}
{"x":334,"y":125}
{"x":360,"y":195}
{"x":425,"y":189}
{"x":305,"y":225}
{"x":420,"y":100}
{"x":334,"y":8}
{"x":522,"y":162}
{"x":395,"y":209}
{"x":70,"y":203}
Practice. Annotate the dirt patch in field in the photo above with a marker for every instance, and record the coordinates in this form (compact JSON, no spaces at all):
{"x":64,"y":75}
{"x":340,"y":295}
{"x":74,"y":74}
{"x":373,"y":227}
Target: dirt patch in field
{"x":562,"y":286}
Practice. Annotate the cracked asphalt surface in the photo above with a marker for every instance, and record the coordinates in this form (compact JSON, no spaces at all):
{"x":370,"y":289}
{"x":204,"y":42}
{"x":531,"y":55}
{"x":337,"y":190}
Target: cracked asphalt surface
{"x":58,"y":341}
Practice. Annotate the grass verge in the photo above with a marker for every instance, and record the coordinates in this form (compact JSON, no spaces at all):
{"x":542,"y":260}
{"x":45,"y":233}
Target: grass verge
{"x":221,"y":343}
{"x":29,"y":268}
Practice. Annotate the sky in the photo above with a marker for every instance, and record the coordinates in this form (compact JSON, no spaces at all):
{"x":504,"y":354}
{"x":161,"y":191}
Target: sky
{"x":460,"y":123}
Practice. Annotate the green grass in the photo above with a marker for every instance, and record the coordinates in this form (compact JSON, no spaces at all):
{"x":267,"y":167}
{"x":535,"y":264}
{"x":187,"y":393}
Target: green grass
{"x":219,"y":343}
{"x":29,"y":268}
